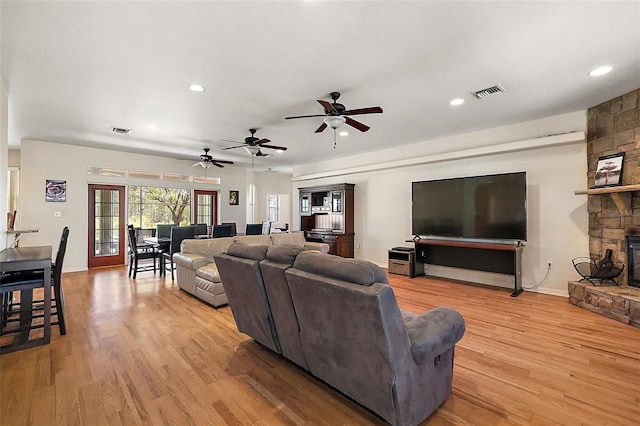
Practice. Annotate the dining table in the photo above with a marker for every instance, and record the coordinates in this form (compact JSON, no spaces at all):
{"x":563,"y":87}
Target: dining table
{"x":161,"y":243}
{"x":25,"y":259}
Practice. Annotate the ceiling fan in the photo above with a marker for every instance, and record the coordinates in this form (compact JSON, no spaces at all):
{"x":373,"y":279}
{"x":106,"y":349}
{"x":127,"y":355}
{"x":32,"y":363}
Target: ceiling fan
{"x":337,"y":114}
{"x":254,"y":145}
{"x":207,"y":160}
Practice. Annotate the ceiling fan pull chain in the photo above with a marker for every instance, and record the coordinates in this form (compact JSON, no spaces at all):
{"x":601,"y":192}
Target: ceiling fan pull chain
{"x":334,"y":138}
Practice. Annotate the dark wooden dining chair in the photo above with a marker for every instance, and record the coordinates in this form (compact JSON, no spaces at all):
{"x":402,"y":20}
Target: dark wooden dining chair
{"x":234,"y":231}
{"x":220,"y":231}
{"x":253,"y":229}
{"x":163,"y":230}
{"x":140,"y":253}
{"x":33,"y":280}
{"x":178,"y":233}
{"x":201,"y":229}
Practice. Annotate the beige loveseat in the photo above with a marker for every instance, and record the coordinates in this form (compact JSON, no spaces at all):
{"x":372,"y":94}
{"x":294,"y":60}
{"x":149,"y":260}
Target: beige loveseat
{"x":196,"y":270}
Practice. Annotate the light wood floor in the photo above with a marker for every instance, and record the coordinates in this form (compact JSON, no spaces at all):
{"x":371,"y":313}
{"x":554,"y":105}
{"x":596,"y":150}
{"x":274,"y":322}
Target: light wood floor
{"x":144,"y":352}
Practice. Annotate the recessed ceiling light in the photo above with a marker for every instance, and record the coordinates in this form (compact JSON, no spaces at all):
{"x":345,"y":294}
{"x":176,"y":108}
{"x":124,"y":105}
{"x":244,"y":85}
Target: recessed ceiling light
{"x":457,"y":101}
{"x":344,"y":133}
{"x":600,"y":71}
{"x":152,"y":127}
{"x":196,"y":87}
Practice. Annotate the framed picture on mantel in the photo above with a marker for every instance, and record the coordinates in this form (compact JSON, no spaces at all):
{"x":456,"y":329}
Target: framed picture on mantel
{"x":609,"y":171}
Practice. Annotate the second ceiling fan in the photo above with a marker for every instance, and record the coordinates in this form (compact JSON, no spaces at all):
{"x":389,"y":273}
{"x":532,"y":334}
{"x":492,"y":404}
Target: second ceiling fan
{"x":337,"y":114}
{"x":254,"y":145}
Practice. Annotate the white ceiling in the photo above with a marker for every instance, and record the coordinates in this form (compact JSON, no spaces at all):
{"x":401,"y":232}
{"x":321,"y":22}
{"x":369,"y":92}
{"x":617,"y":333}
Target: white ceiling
{"x":73,"y":70}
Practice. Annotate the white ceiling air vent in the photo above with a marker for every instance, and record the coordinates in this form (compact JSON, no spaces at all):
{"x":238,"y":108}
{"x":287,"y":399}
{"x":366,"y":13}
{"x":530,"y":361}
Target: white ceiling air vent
{"x":488,"y":91}
{"x":121,"y":131}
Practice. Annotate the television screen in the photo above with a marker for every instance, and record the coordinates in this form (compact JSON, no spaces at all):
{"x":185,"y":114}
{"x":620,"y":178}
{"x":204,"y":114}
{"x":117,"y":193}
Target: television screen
{"x":492,"y":207}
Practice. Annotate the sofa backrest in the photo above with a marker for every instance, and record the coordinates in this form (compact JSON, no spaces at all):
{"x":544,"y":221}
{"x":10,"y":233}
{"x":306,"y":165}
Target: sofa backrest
{"x":279,"y":258}
{"x":242,"y":281}
{"x":351,"y":329}
{"x":262,"y":240}
{"x":207,"y":247}
{"x":296,"y":238}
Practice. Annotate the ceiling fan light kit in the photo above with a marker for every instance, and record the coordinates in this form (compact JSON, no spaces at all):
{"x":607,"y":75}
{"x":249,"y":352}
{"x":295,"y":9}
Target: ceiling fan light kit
{"x":253,"y":150}
{"x":335,"y":121}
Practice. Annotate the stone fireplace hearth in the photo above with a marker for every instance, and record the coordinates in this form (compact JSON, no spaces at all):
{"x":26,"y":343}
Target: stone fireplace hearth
{"x":621,"y":303}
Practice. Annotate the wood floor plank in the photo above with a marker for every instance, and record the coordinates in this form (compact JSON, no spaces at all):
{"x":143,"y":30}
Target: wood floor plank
{"x":144,"y":352}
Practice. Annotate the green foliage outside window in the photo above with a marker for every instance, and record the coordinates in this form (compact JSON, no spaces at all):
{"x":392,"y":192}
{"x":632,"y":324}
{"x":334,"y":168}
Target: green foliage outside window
{"x":149,"y":206}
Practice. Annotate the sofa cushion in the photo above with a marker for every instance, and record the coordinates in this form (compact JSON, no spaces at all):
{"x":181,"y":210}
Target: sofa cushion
{"x":209,"y":272}
{"x":284,"y":253}
{"x":209,"y":287}
{"x":351,"y":270}
{"x":246,"y":251}
{"x":191,"y":261}
{"x":262,"y":240}
{"x":296,"y":238}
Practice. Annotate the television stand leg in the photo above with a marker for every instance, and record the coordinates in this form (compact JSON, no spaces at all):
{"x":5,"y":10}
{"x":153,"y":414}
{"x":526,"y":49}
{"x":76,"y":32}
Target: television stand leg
{"x":517,"y":277}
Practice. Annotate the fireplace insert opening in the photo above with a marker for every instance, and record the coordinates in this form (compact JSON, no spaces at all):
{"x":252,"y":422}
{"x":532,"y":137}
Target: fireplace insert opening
{"x":633,"y":260}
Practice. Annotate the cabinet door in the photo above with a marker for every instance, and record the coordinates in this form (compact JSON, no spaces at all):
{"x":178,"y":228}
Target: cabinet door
{"x":305,"y":203}
{"x":336,"y":202}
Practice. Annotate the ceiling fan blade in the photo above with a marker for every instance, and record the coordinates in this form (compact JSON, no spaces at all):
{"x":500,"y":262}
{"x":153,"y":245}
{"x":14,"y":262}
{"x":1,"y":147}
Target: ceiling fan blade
{"x":261,"y":141}
{"x":327,"y":106}
{"x":279,"y":148}
{"x":217,"y":164}
{"x":222,"y":161}
{"x":370,"y":110}
{"x":227,"y":140}
{"x":321,"y":128}
{"x":197,"y":164}
{"x":356,"y":124}
{"x":232,"y":147}
{"x":261,"y":154}
{"x":305,"y":116}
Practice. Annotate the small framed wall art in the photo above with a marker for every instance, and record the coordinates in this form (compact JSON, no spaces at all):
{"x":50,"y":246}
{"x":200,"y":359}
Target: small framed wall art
{"x":609,"y":171}
{"x":55,"y":191}
{"x":234,"y":198}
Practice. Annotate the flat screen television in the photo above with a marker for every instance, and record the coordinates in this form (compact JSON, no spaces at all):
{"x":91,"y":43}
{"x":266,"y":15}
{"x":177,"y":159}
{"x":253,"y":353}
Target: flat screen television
{"x":491,"y":207}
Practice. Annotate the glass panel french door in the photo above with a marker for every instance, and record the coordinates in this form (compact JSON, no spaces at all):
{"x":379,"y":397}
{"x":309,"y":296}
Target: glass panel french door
{"x":106,"y":225}
{"x":205,"y":207}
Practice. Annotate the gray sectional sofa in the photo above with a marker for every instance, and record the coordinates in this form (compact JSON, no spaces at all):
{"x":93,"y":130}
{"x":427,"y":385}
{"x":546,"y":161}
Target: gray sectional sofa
{"x":196,"y":271}
{"x":338,"y":319}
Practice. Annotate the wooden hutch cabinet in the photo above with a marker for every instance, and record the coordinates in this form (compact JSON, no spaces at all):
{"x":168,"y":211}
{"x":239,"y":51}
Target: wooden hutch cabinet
{"x":326,"y":216}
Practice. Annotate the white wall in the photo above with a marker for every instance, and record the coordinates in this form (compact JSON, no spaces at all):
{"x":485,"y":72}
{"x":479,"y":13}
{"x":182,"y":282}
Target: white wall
{"x":557,"y":219}
{"x":272,"y":183}
{"x":46,"y":160}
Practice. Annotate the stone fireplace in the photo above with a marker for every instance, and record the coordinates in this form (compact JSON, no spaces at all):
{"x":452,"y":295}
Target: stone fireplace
{"x":614,"y":213}
{"x":614,"y":127}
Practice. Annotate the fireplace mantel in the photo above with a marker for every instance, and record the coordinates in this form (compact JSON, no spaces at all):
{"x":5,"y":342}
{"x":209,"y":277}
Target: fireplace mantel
{"x":608,"y":190}
{"x":621,"y":195}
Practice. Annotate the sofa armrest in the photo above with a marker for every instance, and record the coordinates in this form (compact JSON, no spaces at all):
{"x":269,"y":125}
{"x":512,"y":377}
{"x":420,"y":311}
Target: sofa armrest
{"x":191,"y":261}
{"x":321,"y":247}
{"x":433,"y":332}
